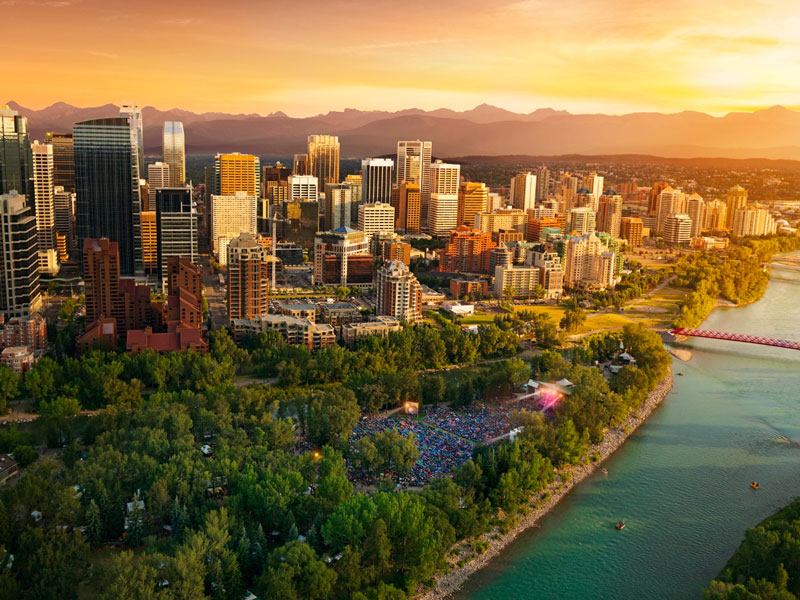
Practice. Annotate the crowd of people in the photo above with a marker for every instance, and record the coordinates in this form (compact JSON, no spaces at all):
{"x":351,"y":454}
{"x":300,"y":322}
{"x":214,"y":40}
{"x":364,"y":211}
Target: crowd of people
{"x":439,"y":452}
{"x":476,"y":423}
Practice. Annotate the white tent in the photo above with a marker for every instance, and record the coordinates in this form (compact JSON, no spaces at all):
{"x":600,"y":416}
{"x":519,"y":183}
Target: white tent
{"x":565,"y":382}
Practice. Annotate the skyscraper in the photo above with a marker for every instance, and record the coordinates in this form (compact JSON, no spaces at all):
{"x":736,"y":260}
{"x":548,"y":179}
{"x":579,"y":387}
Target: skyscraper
{"x":174,"y":151}
{"x":64,"y":211}
{"x":63,"y":160}
{"x":375,"y":218}
{"x":407,"y":199}
{"x":338,"y":205}
{"x":594,"y":183}
{"x":134,"y":115}
{"x":443,"y":209}
{"x":107,"y":186}
{"x":523,"y":191}
{"x":677,"y":228}
{"x":248,"y":278}
{"x":670,"y":202}
{"x":609,"y":213}
{"x":19,"y":257}
{"x":16,"y":161}
{"x":582,"y":220}
{"x":399,"y":294}
{"x":542,"y":184}
{"x":301,"y":165}
{"x":231,"y":215}
{"x":158,"y":176}
{"x":473,"y":198}
{"x":237,"y":173}
{"x":303,"y":187}
{"x":696,"y":208}
{"x":414,"y":166}
{"x":323,"y":158}
{"x":735,"y":199}
{"x":376,"y":174}
{"x":43,"y":190}
{"x":176,"y":227}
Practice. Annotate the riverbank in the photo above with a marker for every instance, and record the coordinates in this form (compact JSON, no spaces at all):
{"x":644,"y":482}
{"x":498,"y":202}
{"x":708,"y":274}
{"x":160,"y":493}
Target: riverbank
{"x":544,"y":501}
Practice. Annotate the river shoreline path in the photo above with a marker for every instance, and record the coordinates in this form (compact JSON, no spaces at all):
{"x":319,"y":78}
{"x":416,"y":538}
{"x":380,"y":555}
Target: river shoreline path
{"x":543,"y":502}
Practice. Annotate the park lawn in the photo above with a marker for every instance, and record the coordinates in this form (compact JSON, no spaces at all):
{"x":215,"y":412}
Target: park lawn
{"x":666,"y":302}
{"x":603,"y":321}
{"x":556,"y":312}
{"x":477,"y":319}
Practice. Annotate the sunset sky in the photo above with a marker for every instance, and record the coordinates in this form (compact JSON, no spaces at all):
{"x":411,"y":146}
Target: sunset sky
{"x":312,"y":56}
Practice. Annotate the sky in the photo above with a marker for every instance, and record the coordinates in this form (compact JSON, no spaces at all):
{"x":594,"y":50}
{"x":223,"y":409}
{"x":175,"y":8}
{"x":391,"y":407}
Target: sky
{"x":312,"y":56}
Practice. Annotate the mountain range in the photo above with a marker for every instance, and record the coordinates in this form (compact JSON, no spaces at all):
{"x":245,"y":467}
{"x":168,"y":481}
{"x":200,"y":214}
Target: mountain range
{"x":772,"y":133}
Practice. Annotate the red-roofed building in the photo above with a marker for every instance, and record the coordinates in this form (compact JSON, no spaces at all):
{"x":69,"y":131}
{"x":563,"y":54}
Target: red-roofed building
{"x":179,"y":336}
{"x":99,"y":333}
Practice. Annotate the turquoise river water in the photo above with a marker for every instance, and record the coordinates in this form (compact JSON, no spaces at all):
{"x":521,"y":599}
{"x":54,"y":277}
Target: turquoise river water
{"x":681,"y":481}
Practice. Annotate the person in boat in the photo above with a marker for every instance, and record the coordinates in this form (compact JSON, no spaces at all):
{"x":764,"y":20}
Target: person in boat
{"x":755,"y":485}
{"x":620,"y":525}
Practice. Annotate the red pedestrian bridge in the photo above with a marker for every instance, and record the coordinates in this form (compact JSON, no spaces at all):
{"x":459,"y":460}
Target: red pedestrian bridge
{"x":736,"y":337}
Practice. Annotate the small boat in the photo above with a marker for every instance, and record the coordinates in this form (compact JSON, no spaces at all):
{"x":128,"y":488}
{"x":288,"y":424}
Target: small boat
{"x":680,"y":374}
{"x":755,"y":485}
{"x":604,"y":470}
{"x":620,"y":525}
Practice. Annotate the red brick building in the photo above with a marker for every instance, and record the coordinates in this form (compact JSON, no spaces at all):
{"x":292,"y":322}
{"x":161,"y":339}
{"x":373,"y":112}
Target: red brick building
{"x":467,"y":251}
{"x":25,"y":331}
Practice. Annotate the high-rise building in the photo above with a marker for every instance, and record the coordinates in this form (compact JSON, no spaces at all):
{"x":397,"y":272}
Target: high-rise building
{"x":342,"y":258}
{"x":523,"y":191}
{"x":716,"y":215}
{"x":173,"y":144}
{"x":503,"y":218}
{"x":16,"y":161}
{"x":184,"y":292}
{"x":19,"y":257}
{"x":753,"y":219}
{"x":107,"y":187}
{"x":677,"y":229}
{"x":414,"y":167}
{"x":655,"y":192}
{"x":338,"y":205}
{"x":670,"y":202}
{"x":158,"y":176}
{"x":356,"y":185}
{"x":376,"y":175}
{"x":521,"y":282}
{"x":230,"y":216}
{"x":301,"y":165}
{"x":594,"y":183}
{"x":237,"y":173}
{"x":696,"y":209}
{"x":443,"y":208}
{"x":63,"y":160}
{"x":473,"y":198}
{"x":323,"y":158}
{"x":64,"y":211}
{"x":176,"y":225}
{"x":632,"y":230}
{"x":588,"y":264}
{"x":582,"y":220}
{"x":101,"y":277}
{"x":542,"y":184}
{"x":551,"y":277}
{"x":735,"y":199}
{"x":399,"y":294}
{"x":303,"y":187}
{"x":390,"y":246}
{"x":43,"y":190}
{"x":375,"y":218}
{"x":299,"y":223}
{"x":467,"y":251}
{"x":133,"y":114}
{"x":248,"y":278}
{"x":609,"y":213}
{"x":407,"y":199}
{"x":150,"y":241}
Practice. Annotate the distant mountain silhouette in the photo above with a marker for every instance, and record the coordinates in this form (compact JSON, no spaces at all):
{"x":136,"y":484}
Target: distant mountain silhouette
{"x":484,"y":130}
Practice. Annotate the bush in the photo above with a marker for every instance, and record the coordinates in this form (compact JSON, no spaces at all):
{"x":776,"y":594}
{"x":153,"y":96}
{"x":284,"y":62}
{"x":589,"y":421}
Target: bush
{"x":25,"y":455}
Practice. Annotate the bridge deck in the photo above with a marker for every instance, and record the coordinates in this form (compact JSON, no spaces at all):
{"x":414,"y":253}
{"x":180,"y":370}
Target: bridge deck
{"x":737,"y":337}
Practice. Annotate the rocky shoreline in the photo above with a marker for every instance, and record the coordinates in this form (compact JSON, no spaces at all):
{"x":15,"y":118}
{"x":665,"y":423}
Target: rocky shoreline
{"x":453,"y":580}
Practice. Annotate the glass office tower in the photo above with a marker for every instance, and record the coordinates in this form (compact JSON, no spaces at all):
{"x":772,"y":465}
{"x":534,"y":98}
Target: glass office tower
{"x":107,"y":187}
{"x":16,"y":159}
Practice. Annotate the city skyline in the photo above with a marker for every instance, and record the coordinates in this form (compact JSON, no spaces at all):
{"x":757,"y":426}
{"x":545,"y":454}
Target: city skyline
{"x":624,"y":56}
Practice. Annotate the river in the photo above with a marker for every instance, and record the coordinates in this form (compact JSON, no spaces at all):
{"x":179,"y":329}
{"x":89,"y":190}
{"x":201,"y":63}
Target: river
{"x":681,"y":482}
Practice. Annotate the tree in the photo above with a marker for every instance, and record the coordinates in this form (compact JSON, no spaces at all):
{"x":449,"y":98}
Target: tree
{"x":332,"y":414}
{"x":294,"y":572}
{"x":94,"y":525}
{"x":509,"y":292}
{"x":573,"y":318}
{"x":135,"y":524}
{"x":41,"y":380}
{"x":396,"y":452}
{"x":25,"y":455}
{"x":58,"y":416}
{"x":9,"y":386}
